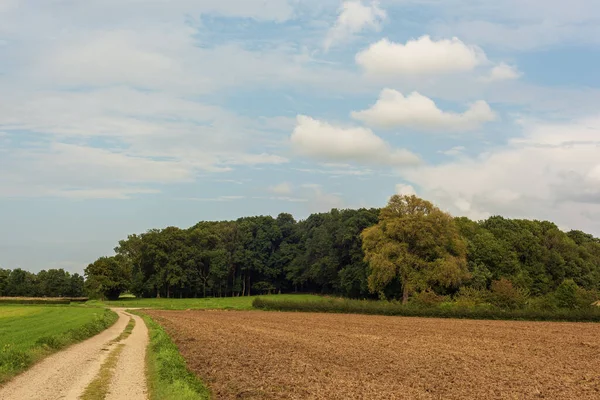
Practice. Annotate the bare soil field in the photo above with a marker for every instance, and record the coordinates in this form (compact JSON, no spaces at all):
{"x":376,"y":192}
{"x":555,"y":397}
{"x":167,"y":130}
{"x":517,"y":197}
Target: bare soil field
{"x":269,"y":355}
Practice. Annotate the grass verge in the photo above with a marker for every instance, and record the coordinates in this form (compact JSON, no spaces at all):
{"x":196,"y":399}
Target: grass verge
{"x":372,"y":307}
{"x":30,"y":333}
{"x":98,"y":388}
{"x":166,"y":370}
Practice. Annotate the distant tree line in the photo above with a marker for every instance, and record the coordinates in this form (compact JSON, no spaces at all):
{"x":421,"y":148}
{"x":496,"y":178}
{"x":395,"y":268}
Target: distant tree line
{"x":50,"y":283}
{"x":405,"y":250}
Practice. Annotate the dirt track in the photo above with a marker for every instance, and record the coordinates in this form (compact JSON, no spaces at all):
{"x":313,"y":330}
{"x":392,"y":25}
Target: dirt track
{"x":66,"y":374}
{"x":260,"y":355}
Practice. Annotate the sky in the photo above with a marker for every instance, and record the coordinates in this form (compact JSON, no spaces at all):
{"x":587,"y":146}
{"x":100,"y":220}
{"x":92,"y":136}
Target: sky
{"x":121,"y":116}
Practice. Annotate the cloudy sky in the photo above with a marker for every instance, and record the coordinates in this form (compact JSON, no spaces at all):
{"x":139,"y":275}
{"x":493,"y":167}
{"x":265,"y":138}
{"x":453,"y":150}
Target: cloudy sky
{"x":121,"y":116}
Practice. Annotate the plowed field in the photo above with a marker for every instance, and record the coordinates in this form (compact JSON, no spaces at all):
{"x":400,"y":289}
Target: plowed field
{"x":268,"y":355}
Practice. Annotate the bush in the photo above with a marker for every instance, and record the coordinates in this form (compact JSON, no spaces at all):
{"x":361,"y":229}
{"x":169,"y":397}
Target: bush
{"x":427,"y":299}
{"x":566,"y":294}
{"x":504,"y":295}
{"x":586,"y":298}
{"x":470,"y":297}
{"x":542,"y":303}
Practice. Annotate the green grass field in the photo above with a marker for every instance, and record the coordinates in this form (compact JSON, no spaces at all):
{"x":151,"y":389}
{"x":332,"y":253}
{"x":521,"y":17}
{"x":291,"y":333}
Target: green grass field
{"x":232,"y":303}
{"x":28,"y":333}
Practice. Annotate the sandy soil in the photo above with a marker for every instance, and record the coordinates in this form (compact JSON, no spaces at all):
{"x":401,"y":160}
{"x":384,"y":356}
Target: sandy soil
{"x":66,"y":374}
{"x":268,"y":355}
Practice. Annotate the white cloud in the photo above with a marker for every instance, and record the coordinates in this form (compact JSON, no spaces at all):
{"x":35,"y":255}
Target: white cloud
{"x":283,"y":188}
{"x":321,"y":201}
{"x":422,"y":56}
{"x":454,"y":151}
{"x":551,"y":173}
{"x":405,"y":190}
{"x":107,"y":193}
{"x":502,"y":72}
{"x":353,"y":18}
{"x":419,"y":112}
{"x":327,"y":142}
{"x":284,"y":198}
{"x":219,"y":199}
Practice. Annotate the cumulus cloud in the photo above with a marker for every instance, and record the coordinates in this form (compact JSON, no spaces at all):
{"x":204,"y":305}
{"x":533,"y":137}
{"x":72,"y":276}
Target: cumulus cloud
{"x":353,"y":18}
{"x":328,"y":142}
{"x":405,"y":190}
{"x":419,"y":112}
{"x":550,"y":173}
{"x":502,"y":72}
{"x":422,"y":56}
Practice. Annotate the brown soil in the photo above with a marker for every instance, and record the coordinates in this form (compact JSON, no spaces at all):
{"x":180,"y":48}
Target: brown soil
{"x":262,"y":355}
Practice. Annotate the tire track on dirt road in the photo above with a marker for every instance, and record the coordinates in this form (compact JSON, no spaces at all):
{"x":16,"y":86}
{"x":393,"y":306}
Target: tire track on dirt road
{"x":66,"y":374}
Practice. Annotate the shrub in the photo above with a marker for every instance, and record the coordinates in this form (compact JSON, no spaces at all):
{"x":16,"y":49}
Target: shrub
{"x":566,"y":294}
{"x":428,"y":298}
{"x":506,"y":296}
{"x":471,"y":297}
{"x":586,"y":298}
{"x":542,"y":303}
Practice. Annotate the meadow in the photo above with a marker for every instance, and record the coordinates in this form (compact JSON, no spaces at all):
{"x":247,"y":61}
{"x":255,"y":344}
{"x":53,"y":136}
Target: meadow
{"x":30,"y":332}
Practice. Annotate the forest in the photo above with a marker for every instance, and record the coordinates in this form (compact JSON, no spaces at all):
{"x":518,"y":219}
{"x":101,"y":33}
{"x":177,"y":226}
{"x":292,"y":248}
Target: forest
{"x":409,"y":249}
{"x":50,"y":283}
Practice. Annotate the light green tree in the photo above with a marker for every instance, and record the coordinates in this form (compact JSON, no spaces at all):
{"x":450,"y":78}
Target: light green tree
{"x":417,"y":244}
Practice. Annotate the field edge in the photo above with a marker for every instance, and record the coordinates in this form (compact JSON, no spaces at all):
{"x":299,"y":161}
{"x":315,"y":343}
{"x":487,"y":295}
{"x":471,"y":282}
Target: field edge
{"x":167,"y":373}
{"x":375,"y":307}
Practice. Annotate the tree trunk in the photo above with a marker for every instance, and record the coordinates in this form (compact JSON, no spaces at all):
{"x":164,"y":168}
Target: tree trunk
{"x":404,"y":294}
{"x":248,"y":284}
{"x":243,"y":286}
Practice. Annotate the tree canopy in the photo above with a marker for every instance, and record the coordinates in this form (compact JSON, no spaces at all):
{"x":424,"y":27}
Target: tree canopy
{"x":409,"y":247}
{"x":418,"y":245}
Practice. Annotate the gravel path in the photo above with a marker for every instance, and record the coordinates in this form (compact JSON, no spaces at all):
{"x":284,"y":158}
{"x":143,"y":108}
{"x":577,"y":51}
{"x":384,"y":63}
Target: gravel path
{"x":66,"y":374}
{"x":129,"y":379}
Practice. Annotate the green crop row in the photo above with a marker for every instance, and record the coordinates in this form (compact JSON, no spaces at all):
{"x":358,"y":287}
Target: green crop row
{"x":348,"y":306}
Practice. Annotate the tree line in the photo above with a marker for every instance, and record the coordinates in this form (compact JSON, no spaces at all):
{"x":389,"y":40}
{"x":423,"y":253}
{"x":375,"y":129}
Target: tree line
{"x":408,"y":248}
{"x":50,"y":283}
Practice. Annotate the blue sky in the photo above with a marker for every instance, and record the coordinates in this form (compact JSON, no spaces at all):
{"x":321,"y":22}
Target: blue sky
{"x":121,"y":116}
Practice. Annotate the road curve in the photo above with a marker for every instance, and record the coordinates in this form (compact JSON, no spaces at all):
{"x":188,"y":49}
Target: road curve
{"x":66,"y":374}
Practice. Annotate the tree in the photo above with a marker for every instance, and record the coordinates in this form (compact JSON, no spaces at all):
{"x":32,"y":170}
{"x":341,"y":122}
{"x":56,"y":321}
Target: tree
{"x":4,"y":275}
{"x":108,"y":277}
{"x":566,"y":294}
{"x":21,"y":283}
{"x":416,"y":244}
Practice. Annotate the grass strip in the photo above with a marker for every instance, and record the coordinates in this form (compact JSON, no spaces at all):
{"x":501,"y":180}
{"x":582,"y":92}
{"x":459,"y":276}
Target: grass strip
{"x":166,"y":370}
{"x":42,"y":300}
{"x":15,"y":360}
{"x":98,"y":388}
{"x":371,"y":307}
{"x":126,"y":332}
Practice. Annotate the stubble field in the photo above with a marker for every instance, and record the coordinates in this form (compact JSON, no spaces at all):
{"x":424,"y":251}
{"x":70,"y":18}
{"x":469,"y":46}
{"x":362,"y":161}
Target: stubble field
{"x":267,"y":355}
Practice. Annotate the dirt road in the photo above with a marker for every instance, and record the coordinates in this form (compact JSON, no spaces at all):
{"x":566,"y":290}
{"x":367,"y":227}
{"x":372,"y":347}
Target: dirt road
{"x":66,"y":374}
